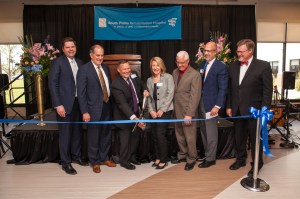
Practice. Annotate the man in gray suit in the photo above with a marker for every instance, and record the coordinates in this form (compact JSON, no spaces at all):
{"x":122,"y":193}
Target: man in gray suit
{"x":215,"y":82}
{"x":186,"y":100}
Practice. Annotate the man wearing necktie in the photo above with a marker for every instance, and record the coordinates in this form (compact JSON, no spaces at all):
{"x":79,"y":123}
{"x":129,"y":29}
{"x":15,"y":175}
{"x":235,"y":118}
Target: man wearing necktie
{"x":62,"y":86}
{"x":94,"y":99}
{"x":127,"y":90}
{"x":250,"y":85}
{"x":214,"y":91}
{"x":187,"y":95}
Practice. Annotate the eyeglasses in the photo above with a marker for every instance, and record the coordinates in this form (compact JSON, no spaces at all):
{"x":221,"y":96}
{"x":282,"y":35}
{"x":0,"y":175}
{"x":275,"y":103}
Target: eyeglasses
{"x":240,"y":51}
{"x":180,"y":63}
{"x":208,"y":51}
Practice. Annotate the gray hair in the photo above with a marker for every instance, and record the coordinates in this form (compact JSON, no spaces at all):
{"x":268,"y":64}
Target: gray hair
{"x":183,"y":54}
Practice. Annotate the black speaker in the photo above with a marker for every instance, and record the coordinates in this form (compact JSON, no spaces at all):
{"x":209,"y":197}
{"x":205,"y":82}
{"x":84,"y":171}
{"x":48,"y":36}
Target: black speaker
{"x":4,"y":82}
{"x":289,"y":79}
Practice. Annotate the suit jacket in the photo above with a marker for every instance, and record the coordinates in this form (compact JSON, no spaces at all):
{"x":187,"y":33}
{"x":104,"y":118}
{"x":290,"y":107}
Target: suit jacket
{"x":214,"y":88}
{"x":255,"y":90}
{"x":122,"y":98}
{"x":62,"y":83}
{"x":89,"y":91}
{"x":187,"y":93}
{"x":165,"y":93}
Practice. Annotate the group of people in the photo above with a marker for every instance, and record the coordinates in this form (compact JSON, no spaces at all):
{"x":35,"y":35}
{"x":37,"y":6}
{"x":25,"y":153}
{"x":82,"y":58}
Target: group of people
{"x":85,"y":92}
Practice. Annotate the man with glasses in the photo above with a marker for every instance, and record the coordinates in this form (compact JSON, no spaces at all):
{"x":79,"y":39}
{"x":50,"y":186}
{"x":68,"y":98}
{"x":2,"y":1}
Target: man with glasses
{"x":186,"y":100}
{"x":250,"y":85}
{"x":215,"y":82}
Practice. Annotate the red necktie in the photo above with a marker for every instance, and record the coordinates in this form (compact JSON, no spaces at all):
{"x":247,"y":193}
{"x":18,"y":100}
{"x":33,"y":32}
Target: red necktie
{"x":244,"y":63}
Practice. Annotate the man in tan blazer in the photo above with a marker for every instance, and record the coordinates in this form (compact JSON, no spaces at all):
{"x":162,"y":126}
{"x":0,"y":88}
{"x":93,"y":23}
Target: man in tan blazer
{"x":187,"y":95}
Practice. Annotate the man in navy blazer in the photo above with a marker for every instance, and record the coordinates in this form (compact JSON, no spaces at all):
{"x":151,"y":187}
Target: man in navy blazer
{"x":250,"y":85}
{"x":93,"y":95}
{"x":215,"y":82}
{"x":62,"y":86}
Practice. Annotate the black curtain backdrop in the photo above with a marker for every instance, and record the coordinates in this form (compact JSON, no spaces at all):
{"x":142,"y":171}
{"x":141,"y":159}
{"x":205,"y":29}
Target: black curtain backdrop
{"x":77,"y":21}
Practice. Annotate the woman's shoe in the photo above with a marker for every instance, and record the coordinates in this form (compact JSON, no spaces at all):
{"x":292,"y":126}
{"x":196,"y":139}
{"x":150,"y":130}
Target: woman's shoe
{"x":155,"y":164}
{"x":162,"y":167}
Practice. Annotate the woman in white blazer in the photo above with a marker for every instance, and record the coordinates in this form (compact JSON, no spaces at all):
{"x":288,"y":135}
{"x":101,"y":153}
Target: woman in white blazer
{"x":160,"y":106}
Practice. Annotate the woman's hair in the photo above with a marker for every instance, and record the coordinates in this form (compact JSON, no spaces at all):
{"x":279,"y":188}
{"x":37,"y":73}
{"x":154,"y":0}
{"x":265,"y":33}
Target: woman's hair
{"x":160,"y":63}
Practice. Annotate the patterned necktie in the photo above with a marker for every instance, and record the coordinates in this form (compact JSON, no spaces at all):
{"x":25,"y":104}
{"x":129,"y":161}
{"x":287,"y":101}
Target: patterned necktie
{"x":204,"y":71}
{"x":74,"y":68}
{"x":134,"y":97}
{"x":103,"y":85}
{"x":74,"y":71}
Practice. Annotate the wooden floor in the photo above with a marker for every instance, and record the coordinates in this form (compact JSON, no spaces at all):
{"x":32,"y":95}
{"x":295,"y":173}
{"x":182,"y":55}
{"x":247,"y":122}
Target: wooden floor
{"x":49,"y":181}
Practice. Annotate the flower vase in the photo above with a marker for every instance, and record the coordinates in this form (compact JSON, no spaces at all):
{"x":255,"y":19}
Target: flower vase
{"x":40,"y":97}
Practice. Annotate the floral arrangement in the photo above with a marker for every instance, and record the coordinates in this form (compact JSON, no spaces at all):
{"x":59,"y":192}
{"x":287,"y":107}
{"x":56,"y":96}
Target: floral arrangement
{"x":36,"y":57}
{"x":223,"y":49}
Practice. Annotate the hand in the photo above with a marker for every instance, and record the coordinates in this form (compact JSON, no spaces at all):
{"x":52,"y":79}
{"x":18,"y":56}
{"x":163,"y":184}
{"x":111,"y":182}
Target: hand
{"x":142,"y":125}
{"x":61,"y":111}
{"x":153,"y":114}
{"x":189,"y":122}
{"x":229,"y":112}
{"x":86,"y":117}
{"x":146,"y":93}
{"x":160,"y":113}
{"x":214,"y":111}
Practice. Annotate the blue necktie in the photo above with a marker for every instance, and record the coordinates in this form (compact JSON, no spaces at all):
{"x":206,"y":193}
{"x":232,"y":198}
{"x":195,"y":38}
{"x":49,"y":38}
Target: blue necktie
{"x":204,"y":71}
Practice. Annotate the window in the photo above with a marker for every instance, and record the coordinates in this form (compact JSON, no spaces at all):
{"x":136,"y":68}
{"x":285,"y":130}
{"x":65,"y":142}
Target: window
{"x":10,"y":57}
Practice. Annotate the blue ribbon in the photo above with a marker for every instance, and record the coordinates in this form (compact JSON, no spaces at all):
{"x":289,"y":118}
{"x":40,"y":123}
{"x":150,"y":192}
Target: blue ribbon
{"x":120,"y":121}
{"x":264,"y":116}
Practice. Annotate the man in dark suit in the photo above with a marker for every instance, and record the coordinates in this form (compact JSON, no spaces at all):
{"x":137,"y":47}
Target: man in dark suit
{"x":127,"y":90}
{"x":250,"y":85}
{"x":187,"y":96}
{"x":93,"y":95}
{"x":62,"y":86}
{"x":215,"y":83}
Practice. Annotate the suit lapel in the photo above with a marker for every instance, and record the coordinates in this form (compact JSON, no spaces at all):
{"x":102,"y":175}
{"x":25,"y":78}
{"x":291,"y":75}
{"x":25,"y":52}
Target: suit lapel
{"x":251,"y":68}
{"x":184,"y":76}
{"x":69,"y":68}
{"x":94,"y":73}
{"x":211,"y":70}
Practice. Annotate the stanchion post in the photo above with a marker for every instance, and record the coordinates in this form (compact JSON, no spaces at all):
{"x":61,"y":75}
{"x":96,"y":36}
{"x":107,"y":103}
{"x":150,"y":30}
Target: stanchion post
{"x":254,"y":183}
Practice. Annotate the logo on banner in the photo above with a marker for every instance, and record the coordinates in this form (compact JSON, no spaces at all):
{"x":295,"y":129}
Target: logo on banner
{"x":137,"y":23}
{"x":172,"y":22}
{"x":102,"y":23}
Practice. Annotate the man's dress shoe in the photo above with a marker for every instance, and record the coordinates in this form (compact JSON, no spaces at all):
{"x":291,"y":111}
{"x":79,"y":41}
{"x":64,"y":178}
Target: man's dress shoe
{"x":155,"y":165}
{"x":236,"y":165}
{"x":134,"y":161}
{"x":176,"y":161}
{"x":96,"y":168}
{"x":206,"y":164}
{"x":109,"y":163}
{"x":80,"y":162}
{"x":69,"y":169}
{"x":189,"y":166}
{"x":128,"y":166}
{"x":163,"y":166}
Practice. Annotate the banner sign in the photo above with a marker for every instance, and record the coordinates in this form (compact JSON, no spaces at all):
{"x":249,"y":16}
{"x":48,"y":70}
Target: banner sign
{"x":137,"y":24}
